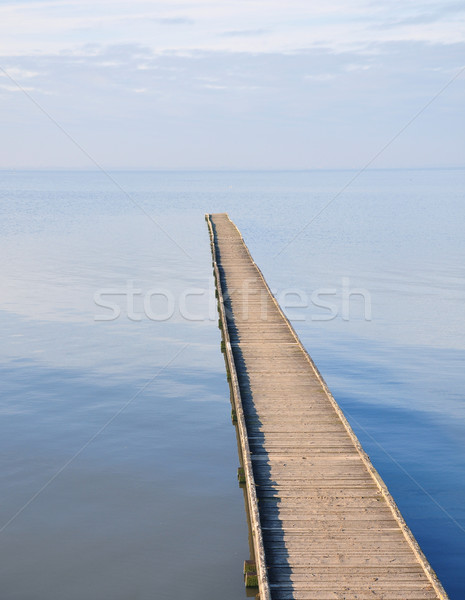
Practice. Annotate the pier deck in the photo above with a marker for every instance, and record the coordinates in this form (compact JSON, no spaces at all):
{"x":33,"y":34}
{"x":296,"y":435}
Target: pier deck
{"x":323,"y":522}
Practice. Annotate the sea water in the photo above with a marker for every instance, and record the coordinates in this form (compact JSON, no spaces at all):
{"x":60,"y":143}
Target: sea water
{"x":118,"y":457}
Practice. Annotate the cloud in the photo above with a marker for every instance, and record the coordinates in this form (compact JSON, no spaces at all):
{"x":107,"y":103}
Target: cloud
{"x":245,"y":33}
{"x":18,"y":73}
{"x":15,"y":89}
{"x":424,"y":14}
{"x":174,"y":21}
{"x":214,"y":86}
{"x":357,"y":67}
{"x":55,"y":27}
{"x":341,"y":73}
{"x":320,"y":77}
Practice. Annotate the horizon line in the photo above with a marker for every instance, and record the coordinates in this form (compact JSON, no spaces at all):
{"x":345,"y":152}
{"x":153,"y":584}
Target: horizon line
{"x":222,"y":169}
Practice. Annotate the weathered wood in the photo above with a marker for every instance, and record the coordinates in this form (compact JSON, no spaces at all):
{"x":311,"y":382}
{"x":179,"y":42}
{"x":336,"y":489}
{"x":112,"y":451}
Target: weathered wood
{"x":324,"y":524}
{"x":254,"y":515}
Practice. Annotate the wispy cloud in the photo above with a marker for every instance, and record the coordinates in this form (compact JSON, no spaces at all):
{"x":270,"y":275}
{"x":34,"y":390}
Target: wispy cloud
{"x":423,"y":13}
{"x":299,"y":84}
{"x":19,"y":73}
{"x":245,"y":33}
{"x":174,"y":21}
{"x":53,"y":27}
{"x":320,"y":77}
{"x":15,"y":89}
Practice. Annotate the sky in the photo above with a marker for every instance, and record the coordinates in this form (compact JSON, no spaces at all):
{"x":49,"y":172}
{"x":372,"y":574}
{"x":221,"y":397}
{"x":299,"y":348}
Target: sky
{"x":243,"y":84}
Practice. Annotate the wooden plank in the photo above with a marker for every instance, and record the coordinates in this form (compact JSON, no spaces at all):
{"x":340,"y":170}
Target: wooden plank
{"x":323,"y":522}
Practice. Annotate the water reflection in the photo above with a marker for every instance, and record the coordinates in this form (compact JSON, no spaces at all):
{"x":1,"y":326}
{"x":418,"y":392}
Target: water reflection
{"x":152,"y":507}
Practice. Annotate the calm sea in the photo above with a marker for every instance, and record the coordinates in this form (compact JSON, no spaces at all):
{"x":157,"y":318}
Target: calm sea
{"x":118,"y":457}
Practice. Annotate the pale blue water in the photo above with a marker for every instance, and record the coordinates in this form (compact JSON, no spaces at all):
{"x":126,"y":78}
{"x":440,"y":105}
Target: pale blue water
{"x":150,"y":507}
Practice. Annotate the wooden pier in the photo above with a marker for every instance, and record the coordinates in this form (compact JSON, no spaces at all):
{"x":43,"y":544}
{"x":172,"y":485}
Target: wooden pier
{"x":323,"y":523}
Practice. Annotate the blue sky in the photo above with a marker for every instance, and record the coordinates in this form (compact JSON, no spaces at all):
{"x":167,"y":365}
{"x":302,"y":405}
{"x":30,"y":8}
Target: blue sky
{"x":220,"y":84}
